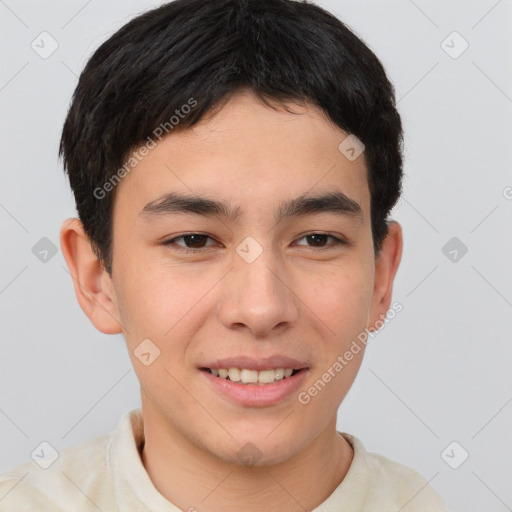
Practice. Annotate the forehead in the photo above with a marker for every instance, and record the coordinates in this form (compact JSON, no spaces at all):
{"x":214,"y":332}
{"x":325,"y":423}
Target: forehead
{"x":249,"y":156}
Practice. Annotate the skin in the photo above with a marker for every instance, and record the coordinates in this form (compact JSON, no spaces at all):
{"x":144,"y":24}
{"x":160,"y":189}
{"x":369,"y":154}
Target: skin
{"x":297,"y":299}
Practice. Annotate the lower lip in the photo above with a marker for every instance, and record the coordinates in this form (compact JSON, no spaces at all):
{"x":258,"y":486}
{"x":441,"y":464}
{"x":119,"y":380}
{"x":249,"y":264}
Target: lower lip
{"x":254,"y":395}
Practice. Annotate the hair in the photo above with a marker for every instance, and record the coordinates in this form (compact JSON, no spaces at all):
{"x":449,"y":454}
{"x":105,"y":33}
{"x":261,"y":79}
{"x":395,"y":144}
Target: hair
{"x":283,"y":50}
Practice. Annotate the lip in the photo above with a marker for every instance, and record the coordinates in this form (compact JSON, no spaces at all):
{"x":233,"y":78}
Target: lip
{"x":254,"y":395}
{"x":260,"y":363}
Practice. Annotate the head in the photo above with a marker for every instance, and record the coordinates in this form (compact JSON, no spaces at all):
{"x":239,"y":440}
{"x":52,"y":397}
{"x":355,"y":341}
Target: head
{"x":229,"y":120}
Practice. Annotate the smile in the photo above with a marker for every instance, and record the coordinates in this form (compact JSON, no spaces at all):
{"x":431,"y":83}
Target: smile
{"x":247,"y":376}
{"x":255,"y":388}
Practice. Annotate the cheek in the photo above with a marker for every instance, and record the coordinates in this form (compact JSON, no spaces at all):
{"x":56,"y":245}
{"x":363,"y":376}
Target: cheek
{"x":148,"y":302}
{"x":343,"y":300}
{"x":344,"y":306}
{"x":162,"y":304}
{"x":155,"y":309}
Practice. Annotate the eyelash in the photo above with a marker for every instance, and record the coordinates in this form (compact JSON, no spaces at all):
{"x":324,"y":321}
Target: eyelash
{"x":337,"y":242}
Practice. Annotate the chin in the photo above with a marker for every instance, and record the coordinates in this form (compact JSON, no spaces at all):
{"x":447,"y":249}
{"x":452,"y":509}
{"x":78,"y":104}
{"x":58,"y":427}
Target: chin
{"x":256,"y":450}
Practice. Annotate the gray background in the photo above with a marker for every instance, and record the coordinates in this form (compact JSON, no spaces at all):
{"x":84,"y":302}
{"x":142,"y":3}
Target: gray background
{"x":439,"y":372}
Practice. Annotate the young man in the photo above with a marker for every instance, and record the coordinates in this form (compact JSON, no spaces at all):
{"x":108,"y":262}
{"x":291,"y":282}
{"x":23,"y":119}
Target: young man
{"x":233,"y":164}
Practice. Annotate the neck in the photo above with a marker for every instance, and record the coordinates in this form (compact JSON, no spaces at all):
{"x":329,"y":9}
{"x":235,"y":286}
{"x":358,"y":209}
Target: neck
{"x":193,"y":479}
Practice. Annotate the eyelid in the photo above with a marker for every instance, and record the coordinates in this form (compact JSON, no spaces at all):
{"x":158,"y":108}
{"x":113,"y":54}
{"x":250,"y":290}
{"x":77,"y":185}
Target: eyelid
{"x":338,"y":241}
{"x":172,"y":241}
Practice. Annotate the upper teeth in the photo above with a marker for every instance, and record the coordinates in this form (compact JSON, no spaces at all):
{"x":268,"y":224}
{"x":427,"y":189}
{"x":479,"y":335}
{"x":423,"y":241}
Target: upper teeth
{"x":252,"y":376}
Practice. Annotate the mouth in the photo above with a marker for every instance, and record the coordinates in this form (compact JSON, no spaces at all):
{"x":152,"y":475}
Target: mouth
{"x":255,"y":383}
{"x":247,"y":376}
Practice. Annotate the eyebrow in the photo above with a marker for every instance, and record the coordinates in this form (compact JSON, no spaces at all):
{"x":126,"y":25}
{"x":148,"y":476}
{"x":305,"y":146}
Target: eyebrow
{"x":174,"y":203}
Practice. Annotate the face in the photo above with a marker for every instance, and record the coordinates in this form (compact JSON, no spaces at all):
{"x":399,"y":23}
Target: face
{"x":266,"y":283}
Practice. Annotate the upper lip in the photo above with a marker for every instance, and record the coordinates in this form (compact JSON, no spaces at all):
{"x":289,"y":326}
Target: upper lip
{"x":261,"y":363}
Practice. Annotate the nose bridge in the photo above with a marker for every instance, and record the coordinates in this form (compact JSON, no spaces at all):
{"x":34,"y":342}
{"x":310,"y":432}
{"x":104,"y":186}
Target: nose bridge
{"x":258,"y":296}
{"x":259,"y":276}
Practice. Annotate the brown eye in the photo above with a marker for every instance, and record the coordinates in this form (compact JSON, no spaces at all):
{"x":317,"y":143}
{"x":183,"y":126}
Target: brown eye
{"x":318,"y":240}
{"x":195,"y":242}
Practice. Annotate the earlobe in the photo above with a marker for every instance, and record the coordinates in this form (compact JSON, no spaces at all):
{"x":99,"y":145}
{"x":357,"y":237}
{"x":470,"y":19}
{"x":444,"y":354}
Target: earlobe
{"x":93,"y":286}
{"x":386,"y":267}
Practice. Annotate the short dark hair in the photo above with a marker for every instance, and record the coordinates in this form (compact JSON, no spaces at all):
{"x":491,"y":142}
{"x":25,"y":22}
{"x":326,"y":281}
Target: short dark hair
{"x":208,"y":50}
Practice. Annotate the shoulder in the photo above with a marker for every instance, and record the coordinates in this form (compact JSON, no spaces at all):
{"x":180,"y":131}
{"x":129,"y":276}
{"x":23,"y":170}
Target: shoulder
{"x":394,"y":484}
{"x":78,"y":473}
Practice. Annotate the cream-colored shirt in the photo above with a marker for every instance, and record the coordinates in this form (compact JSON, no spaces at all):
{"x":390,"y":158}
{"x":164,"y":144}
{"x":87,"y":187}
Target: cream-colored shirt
{"x":106,"y":474}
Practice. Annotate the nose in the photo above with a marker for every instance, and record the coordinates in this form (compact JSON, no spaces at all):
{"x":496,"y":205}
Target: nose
{"x":258,"y":298}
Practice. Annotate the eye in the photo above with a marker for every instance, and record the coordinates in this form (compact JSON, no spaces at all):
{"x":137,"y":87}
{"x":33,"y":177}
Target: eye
{"x":319,"y":239}
{"x":194,"y":242}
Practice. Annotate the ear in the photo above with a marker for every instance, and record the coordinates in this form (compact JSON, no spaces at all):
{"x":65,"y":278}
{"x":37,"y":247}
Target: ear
{"x":386,"y":266}
{"x":94,"y":288}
